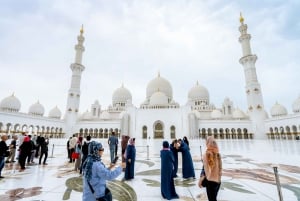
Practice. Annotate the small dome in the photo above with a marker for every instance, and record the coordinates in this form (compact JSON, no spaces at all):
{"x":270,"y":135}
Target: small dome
{"x":96,"y":102}
{"x":159,"y":98}
{"x":198,"y":92}
{"x":37,"y":109}
{"x":238,"y":114}
{"x":161,"y":84}
{"x":121,"y":95}
{"x":296,"y":105}
{"x":278,"y":110}
{"x":105,"y":115}
{"x":216,"y":114}
{"x":55,"y":113}
{"x":10,"y":103}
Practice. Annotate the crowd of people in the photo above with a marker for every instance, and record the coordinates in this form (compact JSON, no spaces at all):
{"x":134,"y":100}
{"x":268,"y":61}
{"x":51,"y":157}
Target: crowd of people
{"x":23,"y":149}
{"x":86,"y":155}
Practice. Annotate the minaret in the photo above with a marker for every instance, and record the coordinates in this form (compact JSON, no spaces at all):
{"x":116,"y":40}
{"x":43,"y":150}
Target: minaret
{"x":253,"y":90}
{"x":74,"y":91}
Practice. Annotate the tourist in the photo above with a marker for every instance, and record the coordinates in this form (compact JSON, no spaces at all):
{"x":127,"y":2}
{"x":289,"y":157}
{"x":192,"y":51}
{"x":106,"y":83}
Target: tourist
{"x":12,"y":150}
{"x":85,"y":151}
{"x":72,"y":144}
{"x":25,"y":151}
{"x":213,"y":168}
{"x":32,"y":151}
{"x":96,"y":174}
{"x":124,"y":143}
{"x":112,"y":142}
{"x":44,"y":150}
{"x":166,"y":174}
{"x":68,"y":148}
{"x":79,"y":152}
{"x":3,"y":152}
{"x":38,"y":146}
{"x":130,"y":159}
{"x":174,"y":150}
{"x":186,"y":141}
{"x":187,"y":162}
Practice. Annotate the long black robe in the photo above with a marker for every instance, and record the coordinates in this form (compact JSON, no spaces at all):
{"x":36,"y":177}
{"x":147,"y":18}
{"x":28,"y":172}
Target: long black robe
{"x":175,"y":154}
{"x":167,"y":183}
{"x":187,"y":162}
{"x":130,"y":154}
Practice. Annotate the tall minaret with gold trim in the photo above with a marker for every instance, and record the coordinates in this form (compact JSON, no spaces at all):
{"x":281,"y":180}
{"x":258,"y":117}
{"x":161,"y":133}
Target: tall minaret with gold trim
{"x":252,"y":89}
{"x":74,"y":91}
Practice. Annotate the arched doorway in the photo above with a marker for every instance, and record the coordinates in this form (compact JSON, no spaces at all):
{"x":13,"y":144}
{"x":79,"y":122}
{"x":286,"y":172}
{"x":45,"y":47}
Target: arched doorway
{"x":144,"y":132}
{"x":158,"y":130}
{"x":173,"y":132}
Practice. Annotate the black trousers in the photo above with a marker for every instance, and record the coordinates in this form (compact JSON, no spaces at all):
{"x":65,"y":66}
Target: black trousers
{"x":212,"y":190}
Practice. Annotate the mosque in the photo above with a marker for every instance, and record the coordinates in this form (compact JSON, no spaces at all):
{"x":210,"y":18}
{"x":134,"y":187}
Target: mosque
{"x":159,"y":116}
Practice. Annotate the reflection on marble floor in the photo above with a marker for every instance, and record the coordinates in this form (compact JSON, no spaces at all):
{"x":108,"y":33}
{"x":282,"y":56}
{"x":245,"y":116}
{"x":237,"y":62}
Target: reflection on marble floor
{"x":247,"y":174}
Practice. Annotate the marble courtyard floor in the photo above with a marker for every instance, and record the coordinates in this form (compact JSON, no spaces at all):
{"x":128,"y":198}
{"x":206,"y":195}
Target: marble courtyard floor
{"x":247,"y":176}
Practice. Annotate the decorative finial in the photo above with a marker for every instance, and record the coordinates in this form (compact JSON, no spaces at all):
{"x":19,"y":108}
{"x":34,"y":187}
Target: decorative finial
{"x":197,"y":83}
{"x":241,"y":18}
{"x":81,"y":29}
{"x":158,"y":75}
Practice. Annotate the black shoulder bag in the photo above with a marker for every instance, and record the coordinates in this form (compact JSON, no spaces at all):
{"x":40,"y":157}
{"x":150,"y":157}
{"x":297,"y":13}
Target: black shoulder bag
{"x":106,"y":197}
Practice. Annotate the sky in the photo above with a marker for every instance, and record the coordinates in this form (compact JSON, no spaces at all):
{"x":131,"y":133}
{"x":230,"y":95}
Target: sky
{"x":129,"y":41}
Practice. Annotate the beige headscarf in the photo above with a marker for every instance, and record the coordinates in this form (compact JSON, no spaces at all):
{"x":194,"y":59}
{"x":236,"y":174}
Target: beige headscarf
{"x":212,"y":151}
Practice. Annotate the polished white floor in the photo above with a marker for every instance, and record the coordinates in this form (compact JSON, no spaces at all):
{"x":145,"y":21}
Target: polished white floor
{"x":248,"y":172}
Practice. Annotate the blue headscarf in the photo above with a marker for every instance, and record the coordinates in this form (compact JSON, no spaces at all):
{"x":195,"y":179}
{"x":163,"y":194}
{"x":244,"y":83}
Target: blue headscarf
{"x":93,"y":156}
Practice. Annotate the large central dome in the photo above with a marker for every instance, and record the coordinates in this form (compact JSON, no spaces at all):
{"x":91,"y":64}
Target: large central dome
{"x":160,"y":84}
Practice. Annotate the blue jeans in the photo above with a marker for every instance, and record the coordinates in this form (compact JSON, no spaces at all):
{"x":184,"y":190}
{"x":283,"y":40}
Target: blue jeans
{"x":1,"y":163}
{"x":112,"y":150}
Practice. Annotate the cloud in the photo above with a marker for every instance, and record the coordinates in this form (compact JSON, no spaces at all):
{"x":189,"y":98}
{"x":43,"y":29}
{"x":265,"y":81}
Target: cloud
{"x":130,"y":41}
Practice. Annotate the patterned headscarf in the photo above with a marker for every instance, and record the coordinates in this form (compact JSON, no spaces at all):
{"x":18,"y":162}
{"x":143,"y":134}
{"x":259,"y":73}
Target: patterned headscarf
{"x":93,"y":156}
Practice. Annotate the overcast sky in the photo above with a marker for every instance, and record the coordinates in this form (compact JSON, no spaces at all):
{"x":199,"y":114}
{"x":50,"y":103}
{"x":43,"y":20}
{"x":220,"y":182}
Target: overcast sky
{"x":130,"y":41}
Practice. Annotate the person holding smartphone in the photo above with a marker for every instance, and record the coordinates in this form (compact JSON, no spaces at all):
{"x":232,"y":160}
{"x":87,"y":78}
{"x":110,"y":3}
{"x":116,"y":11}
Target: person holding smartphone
{"x":95,"y":174}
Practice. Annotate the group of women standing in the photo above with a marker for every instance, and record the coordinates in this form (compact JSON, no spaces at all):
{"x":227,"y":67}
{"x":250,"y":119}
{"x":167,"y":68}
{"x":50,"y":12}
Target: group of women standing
{"x":212,"y":167}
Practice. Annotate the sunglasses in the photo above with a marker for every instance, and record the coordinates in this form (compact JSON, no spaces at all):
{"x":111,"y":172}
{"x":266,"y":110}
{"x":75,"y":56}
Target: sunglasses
{"x":101,"y":149}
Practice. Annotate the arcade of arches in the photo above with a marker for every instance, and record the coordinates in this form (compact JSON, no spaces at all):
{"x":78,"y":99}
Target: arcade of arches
{"x":45,"y":131}
{"x":288,"y":132}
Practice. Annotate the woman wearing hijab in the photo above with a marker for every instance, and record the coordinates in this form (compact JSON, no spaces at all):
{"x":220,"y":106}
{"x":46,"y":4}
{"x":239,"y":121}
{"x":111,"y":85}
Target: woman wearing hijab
{"x":130,"y":159}
{"x":95,"y":175}
{"x":187,"y":161}
{"x":213,"y":168}
{"x":174,"y":150}
{"x":166,"y":175}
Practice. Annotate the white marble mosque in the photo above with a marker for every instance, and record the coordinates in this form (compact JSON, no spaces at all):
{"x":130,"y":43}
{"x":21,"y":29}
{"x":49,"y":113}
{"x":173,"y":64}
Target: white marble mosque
{"x":252,"y":142}
{"x":159,"y":116}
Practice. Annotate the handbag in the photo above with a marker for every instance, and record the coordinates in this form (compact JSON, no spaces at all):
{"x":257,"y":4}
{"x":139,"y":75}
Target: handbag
{"x":106,"y":197}
{"x":75,"y":155}
{"x":202,"y":182}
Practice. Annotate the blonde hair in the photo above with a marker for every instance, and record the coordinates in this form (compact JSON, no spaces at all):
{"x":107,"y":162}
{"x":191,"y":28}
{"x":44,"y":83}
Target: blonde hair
{"x":212,"y":152}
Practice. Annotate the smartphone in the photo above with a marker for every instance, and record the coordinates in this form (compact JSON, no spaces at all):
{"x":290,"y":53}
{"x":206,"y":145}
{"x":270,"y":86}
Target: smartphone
{"x":115,"y":160}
